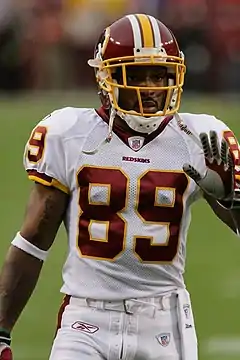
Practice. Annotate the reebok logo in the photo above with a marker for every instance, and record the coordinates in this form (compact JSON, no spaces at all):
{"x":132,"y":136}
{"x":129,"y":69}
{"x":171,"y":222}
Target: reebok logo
{"x":88,"y":328}
{"x":136,"y":159}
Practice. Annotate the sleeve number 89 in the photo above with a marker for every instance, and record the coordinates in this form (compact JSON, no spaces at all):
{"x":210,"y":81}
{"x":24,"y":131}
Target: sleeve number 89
{"x":36,"y":144}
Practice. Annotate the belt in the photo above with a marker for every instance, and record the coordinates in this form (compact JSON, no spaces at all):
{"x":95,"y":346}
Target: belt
{"x":147,"y":306}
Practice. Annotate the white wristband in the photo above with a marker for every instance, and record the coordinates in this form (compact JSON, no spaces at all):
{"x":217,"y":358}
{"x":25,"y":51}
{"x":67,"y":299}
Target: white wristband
{"x":29,"y":248}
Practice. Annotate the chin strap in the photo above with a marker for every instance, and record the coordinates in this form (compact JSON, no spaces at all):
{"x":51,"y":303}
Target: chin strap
{"x":108,"y":137}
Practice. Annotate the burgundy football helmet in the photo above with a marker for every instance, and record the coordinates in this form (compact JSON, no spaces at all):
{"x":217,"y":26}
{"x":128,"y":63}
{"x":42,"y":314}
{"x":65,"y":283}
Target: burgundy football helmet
{"x":138,"y":39}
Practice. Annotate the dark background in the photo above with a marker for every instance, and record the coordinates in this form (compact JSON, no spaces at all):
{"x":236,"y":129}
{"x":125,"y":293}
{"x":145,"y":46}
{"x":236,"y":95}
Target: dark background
{"x":45,"y":44}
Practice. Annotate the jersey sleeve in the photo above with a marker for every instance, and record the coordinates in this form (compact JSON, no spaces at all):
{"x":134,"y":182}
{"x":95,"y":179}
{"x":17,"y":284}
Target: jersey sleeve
{"x":44,"y":155}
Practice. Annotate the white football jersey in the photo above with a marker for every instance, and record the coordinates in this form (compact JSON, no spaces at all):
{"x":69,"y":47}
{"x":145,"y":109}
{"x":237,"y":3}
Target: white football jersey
{"x":129,"y":209}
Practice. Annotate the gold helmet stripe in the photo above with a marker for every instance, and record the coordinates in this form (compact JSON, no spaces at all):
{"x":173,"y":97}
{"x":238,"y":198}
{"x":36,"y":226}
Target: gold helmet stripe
{"x":146,"y":30}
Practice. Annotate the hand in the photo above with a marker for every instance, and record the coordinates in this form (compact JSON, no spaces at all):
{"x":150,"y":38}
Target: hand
{"x":5,"y":352}
{"x":218,"y":180}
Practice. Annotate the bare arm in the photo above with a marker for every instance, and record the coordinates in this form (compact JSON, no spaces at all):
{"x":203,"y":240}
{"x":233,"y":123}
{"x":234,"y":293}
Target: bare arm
{"x":20,"y":272}
{"x":230,"y":217}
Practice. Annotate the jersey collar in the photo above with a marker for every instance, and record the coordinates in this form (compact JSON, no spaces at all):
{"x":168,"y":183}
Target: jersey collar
{"x":126,"y":134}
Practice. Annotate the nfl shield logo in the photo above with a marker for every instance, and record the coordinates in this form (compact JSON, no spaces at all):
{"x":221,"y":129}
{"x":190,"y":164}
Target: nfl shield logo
{"x":136,"y":142}
{"x":163,"y":339}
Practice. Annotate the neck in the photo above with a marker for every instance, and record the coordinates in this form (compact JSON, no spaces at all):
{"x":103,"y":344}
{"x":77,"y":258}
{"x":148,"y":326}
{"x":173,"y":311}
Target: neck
{"x":122,"y":124}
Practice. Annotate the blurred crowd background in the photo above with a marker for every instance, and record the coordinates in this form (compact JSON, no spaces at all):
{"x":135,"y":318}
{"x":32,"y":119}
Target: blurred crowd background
{"x":45,"y":44}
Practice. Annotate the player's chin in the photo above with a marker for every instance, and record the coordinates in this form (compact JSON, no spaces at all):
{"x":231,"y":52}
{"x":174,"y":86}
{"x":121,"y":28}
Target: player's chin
{"x":148,"y":110}
{"x":151,"y":110}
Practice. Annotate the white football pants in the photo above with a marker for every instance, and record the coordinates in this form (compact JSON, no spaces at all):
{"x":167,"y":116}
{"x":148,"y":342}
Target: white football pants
{"x":160,"y":328}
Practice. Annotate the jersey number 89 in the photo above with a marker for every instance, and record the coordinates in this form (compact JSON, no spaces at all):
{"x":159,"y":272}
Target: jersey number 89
{"x":146,"y":208}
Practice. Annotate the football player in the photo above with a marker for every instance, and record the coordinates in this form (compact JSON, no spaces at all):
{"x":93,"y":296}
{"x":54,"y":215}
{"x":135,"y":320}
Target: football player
{"x":122,"y":179}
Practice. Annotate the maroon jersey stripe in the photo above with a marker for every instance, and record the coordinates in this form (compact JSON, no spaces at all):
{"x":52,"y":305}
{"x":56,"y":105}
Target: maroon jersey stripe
{"x":40,"y":175}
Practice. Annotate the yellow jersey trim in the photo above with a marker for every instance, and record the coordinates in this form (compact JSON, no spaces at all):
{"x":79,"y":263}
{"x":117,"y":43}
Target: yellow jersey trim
{"x":53,"y":182}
